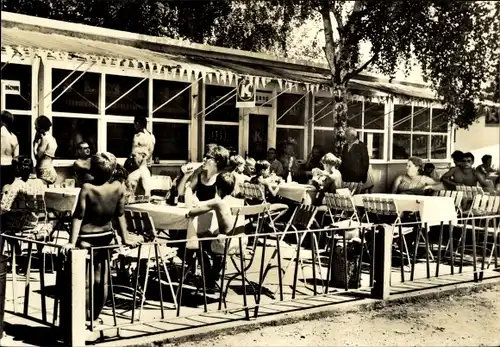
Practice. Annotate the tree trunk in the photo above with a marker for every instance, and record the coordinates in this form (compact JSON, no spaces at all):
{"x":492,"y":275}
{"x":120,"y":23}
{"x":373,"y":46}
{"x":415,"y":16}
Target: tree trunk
{"x":340,"y":120}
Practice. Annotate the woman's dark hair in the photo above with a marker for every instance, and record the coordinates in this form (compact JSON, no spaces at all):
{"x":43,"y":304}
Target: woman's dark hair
{"x":457,"y":156}
{"x":7,"y":119}
{"x":43,"y":123}
{"x":225,"y":183}
{"x":220,"y":155}
{"x":486,"y":158}
{"x":261,"y":165}
{"x":23,"y":167}
{"x":141,"y":120}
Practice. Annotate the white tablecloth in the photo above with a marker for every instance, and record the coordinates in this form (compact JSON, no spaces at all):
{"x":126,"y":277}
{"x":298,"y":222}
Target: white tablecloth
{"x":302,"y":193}
{"x":61,"y":199}
{"x":432,"y":209}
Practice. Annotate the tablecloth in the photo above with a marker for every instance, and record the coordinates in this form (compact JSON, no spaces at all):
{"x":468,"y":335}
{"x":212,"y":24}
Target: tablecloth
{"x":302,"y":193}
{"x":61,"y":199}
{"x":432,"y":209}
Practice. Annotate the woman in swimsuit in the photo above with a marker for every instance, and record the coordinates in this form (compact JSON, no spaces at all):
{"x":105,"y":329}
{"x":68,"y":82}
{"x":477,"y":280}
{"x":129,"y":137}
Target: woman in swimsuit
{"x":414,"y":182}
{"x":144,"y":141}
{"x":44,"y":148}
{"x":139,"y":179}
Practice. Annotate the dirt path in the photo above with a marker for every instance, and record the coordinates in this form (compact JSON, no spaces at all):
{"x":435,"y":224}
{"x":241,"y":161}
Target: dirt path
{"x":472,"y":320}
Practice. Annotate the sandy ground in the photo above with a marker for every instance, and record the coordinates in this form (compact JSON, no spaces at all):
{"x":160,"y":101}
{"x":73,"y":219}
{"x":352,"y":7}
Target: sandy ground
{"x":472,"y":320}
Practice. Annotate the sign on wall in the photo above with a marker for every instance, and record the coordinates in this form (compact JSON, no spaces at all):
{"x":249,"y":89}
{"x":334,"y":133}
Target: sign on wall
{"x":245,"y":96}
{"x":11,"y":87}
{"x":492,"y":116}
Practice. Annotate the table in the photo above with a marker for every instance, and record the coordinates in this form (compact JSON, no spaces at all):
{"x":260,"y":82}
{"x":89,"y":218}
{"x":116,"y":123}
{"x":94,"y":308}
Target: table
{"x":432,"y":209}
{"x":301,"y":193}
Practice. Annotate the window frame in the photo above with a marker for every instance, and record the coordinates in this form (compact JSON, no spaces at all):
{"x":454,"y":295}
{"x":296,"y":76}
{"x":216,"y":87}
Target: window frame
{"x":411,"y":132}
{"x":361,"y":131}
{"x":33,"y":112}
{"x":103,"y":119}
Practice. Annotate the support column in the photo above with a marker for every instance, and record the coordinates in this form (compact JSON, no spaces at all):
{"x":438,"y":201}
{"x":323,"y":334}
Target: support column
{"x":382,"y":263}
{"x":197,"y":140}
{"x":73,"y":295}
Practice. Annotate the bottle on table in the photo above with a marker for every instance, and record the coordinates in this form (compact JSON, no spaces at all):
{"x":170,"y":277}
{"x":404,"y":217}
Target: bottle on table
{"x":289,"y":177}
{"x":188,"y":196}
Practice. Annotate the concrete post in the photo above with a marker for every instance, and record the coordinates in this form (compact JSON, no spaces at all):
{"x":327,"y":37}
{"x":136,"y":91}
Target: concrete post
{"x":73,"y":310}
{"x":382,"y":263}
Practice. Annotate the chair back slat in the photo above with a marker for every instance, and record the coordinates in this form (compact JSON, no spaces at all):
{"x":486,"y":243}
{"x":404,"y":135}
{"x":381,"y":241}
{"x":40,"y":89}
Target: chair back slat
{"x":304,"y":216}
{"x":250,"y":210}
{"x":485,"y":204}
{"x":339,"y":202}
{"x":379,"y":205}
{"x":252,"y":191}
{"x":354,"y":187}
{"x":141,"y":223}
{"x":456,"y":195}
{"x":469,"y":191}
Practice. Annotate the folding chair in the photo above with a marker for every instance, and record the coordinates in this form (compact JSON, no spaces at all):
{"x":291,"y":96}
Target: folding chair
{"x":141,"y":223}
{"x":241,"y":257}
{"x":255,"y":194}
{"x":482,"y":206}
{"x":354,"y":187}
{"x":456,"y":195}
{"x":377,"y":207}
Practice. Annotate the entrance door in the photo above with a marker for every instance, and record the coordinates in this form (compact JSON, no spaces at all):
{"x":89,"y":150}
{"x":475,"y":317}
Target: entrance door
{"x":257,"y":136}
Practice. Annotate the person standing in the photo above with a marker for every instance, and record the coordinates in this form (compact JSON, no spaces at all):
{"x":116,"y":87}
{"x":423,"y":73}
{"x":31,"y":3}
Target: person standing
{"x":9,"y":148}
{"x":355,"y":159}
{"x":144,"y":141}
{"x":44,"y":147}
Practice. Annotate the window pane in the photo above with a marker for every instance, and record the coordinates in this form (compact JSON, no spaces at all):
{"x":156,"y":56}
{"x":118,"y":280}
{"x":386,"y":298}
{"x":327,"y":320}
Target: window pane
{"x":178,"y":108}
{"x":420,"y":146}
{"x":119,"y":139}
{"x":81,"y":97}
{"x":421,"y":118}
{"x":295,"y":135}
{"x":401,"y":146}
{"x":21,"y":73}
{"x":374,"y":116}
{"x":134,"y":103}
{"x":354,"y":114}
{"x":438,"y":146}
{"x":402,"y":117}
{"x":295,"y":115}
{"x":224,"y":135}
{"x":172,"y":141}
{"x":324,"y":138}
{"x":323,"y":116}
{"x":375,"y":144}
{"x":439,"y":123}
{"x":22,"y":128}
{"x":68,"y":132}
{"x":224,"y":110}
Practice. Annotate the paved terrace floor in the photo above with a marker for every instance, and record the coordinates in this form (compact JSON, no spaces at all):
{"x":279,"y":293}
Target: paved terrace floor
{"x":30,"y":330}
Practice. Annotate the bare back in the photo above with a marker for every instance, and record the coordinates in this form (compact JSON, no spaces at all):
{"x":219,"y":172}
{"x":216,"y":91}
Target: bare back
{"x":9,"y":146}
{"x":98,"y":205}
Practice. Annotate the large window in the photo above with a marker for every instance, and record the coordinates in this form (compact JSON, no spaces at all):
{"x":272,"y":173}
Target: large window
{"x":75,"y":110}
{"x":20,"y":105}
{"x":221,"y":117}
{"x":290,"y":122}
{"x":366,"y":117}
{"x":419,"y":131}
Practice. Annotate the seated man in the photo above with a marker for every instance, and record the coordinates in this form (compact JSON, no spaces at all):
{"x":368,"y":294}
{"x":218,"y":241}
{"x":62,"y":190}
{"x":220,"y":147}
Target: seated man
{"x":485,"y":168}
{"x":98,"y":204}
{"x":225,"y":185}
{"x":82,"y":164}
{"x":464,"y":174}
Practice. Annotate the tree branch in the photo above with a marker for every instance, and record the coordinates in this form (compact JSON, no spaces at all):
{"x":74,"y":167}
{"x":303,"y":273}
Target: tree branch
{"x":329,"y":41}
{"x":338,"y":19}
{"x":353,"y":73}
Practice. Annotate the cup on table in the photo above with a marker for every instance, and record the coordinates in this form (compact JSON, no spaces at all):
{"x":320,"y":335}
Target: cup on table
{"x":69,"y":183}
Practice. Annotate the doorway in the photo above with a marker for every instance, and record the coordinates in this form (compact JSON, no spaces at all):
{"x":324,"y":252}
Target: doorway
{"x":258,"y":125}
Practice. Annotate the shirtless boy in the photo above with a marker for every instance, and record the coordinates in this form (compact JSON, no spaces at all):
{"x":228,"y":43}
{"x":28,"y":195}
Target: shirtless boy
{"x":9,"y":148}
{"x":225,"y":185}
{"x":98,"y":204}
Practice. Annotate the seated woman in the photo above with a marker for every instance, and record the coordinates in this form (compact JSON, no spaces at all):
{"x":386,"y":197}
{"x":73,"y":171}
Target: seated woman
{"x":329,"y":179}
{"x":24,"y":183}
{"x":314,"y":160}
{"x":203,"y":183}
{"x":139,"y":178}
{"x":263,"y":177}
{"x":414,"y":182}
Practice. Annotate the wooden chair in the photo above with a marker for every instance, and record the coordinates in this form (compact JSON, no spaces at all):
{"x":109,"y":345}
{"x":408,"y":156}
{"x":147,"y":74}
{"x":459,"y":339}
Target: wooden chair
{"x":456,"y":195}
{"x":141,"y":224}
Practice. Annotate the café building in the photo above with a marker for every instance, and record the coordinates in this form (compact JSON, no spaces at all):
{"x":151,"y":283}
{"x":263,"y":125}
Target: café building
{"x":92,"y":82}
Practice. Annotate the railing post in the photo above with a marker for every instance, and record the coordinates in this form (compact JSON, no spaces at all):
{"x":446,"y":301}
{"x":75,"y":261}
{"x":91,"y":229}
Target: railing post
{"x":73,"y":293}
{"x":382,"y":264}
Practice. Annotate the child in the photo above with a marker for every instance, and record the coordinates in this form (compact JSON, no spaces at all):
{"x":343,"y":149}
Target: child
{"x":222,"y":207}
{"x":249,"y":167}
{"x":328,"y":180}
{"x":237,"y":163}
{"x":263,"y":170}
{"x":98,"y":204}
